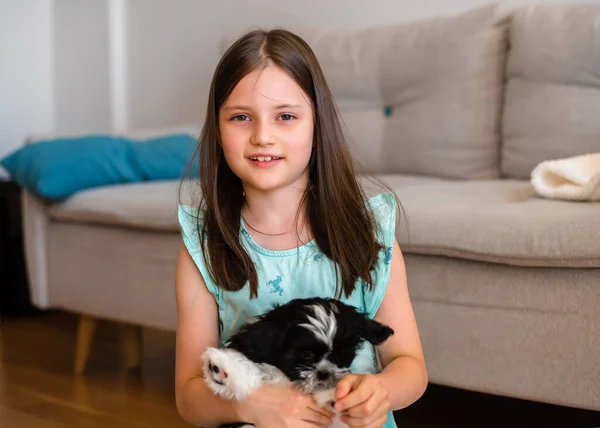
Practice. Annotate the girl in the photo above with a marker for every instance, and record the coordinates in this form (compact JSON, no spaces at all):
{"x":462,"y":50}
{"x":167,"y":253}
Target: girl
{"x":282,"y":216}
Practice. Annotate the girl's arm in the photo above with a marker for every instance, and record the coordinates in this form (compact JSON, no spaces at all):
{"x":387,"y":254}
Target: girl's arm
{"x":197,"y":329}
{"x":404,"y":377}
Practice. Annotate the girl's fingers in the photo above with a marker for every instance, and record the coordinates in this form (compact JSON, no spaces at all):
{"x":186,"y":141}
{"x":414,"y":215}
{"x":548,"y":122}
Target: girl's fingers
{"x":367,"y":412}
{"x":322,"y":410}
{"x":353,"y":399}
{"x":316,"y":418}
{"x":372,"y":421}
{"x":364,"y":408}
{"x":344,"y":386}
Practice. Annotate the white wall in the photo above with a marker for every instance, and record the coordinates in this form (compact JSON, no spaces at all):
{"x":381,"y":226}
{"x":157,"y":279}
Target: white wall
{"x":81,"y":65}
{"x":26,"y":71}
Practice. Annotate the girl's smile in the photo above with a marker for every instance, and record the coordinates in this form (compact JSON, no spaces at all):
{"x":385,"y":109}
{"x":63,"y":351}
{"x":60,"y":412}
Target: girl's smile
{"x":265,"y":160}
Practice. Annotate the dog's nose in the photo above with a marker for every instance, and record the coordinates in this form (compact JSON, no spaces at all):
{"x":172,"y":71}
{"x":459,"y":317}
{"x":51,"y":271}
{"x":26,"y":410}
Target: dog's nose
{"x":321,"y":375}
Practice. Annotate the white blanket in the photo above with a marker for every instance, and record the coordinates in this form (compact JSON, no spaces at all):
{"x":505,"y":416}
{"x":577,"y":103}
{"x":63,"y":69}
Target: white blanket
{"x":575,"y":179}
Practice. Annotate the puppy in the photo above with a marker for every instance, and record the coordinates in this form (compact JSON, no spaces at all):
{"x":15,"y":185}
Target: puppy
{"x":306,"y":343}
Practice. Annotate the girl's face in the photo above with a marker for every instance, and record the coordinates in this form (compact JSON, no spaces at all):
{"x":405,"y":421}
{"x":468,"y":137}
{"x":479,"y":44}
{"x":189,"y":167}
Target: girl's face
{"x":266,"y":128}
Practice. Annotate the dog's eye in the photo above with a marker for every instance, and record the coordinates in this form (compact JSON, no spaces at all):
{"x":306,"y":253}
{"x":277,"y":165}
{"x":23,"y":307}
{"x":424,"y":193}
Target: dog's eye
{"x":307,"y":355}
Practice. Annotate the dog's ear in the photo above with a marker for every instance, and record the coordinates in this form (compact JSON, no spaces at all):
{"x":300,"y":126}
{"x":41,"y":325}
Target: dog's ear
{"x":375,"y":332}
{"x":368,"y":329}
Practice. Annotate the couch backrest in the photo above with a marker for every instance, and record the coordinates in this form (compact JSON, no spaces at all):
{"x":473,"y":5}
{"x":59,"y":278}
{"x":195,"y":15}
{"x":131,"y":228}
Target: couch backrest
{"x":487,"y":93}
{"x":552,"y":107}
{"x":421,"y":97}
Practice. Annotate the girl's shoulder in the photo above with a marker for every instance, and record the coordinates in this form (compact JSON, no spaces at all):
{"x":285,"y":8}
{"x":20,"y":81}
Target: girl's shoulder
{"x":384,"y":208}
{"x":189,"y":218}
{"x":188,"y":211}
{"x":382,"y":202}
{"x":190,"y":224}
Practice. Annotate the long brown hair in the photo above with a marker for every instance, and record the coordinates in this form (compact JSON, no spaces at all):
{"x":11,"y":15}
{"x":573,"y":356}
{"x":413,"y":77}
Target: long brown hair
{"x":341,"y":223}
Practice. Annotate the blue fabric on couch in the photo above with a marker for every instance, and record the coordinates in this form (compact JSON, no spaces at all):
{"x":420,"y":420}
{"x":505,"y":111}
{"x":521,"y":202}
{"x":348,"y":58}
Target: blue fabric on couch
{"x":58,"y":168}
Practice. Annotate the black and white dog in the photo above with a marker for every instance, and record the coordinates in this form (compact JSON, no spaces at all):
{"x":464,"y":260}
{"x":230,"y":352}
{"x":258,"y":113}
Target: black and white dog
{"x":307,"y":343}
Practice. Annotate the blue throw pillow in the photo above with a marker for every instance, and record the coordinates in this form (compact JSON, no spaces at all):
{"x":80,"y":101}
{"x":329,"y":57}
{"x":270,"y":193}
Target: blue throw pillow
{"x":164,"y":158}
{"x":58,"y":168}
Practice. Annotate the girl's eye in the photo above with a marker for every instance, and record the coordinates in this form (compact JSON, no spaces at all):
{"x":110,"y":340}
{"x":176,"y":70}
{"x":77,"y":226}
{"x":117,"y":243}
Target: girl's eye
{"x":286,"y":116}
{"x":240,"y":118}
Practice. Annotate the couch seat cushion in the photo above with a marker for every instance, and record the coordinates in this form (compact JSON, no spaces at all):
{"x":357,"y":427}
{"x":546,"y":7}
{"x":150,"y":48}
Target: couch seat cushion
{"x":501,"y":221}
{"x":144,"y":205}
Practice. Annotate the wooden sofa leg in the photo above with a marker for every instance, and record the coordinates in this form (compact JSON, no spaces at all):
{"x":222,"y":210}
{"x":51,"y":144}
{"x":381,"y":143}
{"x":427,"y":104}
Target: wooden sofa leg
{"x":131,"y":339}
{"x":85,"y":334}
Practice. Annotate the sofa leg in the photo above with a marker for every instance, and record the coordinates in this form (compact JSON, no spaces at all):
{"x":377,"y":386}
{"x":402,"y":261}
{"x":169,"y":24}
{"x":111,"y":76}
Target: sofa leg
{"x":131,"y":339}
{"x":85,"y":334}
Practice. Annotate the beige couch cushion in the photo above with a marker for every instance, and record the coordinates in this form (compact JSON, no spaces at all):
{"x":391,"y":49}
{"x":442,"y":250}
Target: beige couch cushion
{"x":146,"y":205}
{"x":553,"y":92}
{"x":500,"y":221}
{"x":420,"y":97}
{"x":487,"y":220}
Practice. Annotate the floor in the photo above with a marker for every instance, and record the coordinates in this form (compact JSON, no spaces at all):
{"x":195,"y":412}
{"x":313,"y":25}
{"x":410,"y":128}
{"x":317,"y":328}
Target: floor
{"x":37,"y":388}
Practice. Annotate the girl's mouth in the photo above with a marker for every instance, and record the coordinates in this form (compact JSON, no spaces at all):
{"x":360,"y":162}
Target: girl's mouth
{"x":264,"y":161}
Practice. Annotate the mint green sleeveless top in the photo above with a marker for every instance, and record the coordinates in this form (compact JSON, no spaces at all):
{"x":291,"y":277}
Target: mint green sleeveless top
{"x":296,"y":273}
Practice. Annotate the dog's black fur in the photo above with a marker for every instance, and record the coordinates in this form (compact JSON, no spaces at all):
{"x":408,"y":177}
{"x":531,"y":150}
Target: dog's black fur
{"x":276,"y":337}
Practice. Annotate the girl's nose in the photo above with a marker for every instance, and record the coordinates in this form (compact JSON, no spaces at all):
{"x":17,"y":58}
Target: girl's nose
{"x":262,"y":135}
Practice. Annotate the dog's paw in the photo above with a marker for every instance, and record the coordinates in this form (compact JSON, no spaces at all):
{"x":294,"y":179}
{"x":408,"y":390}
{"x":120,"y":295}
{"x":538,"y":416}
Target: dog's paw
{"x":214,"y":369}
{"x":218,"y":364}
{"x":230,"y":374}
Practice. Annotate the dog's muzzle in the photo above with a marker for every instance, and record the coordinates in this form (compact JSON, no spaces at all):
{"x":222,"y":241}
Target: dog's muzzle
{"x":319,"y":380}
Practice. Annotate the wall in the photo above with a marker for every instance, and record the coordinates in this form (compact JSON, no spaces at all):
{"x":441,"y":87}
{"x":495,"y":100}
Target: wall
{"x":26,"y":71}
{"x":82,"y":81}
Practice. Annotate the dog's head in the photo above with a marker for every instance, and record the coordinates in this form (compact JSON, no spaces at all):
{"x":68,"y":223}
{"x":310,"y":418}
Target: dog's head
{"x":313,"y":341}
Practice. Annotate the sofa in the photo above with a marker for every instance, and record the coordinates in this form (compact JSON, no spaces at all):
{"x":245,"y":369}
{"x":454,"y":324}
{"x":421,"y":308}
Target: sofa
{"x":453,"y":113}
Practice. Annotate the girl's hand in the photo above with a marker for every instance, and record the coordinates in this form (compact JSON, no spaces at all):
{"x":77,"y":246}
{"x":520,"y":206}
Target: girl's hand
{"x":276,"y":406}
{"x":363,"y":399}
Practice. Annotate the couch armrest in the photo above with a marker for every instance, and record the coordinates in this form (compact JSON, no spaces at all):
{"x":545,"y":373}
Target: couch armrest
{"x":35,"y":229}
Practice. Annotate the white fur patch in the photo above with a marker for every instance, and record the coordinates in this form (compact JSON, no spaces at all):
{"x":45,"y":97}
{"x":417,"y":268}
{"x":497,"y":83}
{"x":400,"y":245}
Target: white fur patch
{"x":323,"y":325}
{"x":242,"y":376}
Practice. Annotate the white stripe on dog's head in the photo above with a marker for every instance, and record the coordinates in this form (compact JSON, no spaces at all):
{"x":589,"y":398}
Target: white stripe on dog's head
{"x":323,"y":325}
